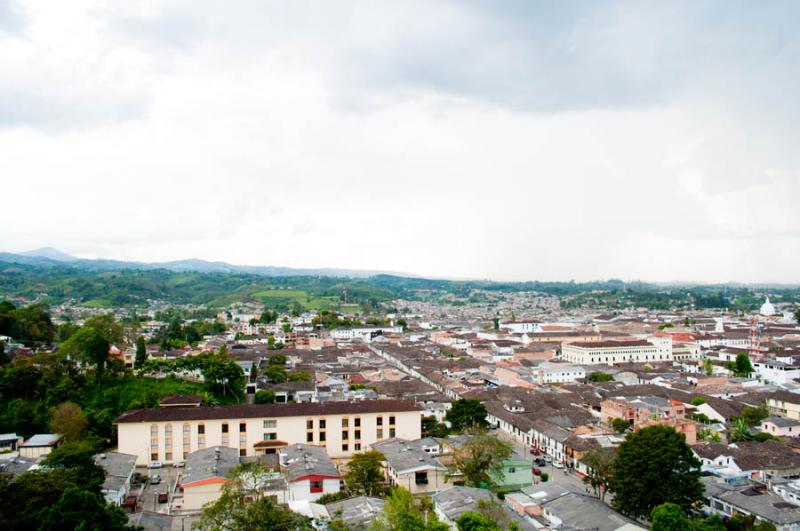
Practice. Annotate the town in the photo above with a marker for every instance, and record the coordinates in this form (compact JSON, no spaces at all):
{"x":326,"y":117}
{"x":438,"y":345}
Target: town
{"x":508,"y":409}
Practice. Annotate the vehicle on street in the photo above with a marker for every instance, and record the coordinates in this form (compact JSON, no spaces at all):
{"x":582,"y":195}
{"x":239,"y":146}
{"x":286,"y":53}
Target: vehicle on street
{"x":163,"y":497}
{"x":547,"y":458}
{"x":155,"y":464}
{"x":537,"y":472}
{"x":558,"y":464}
{"x":155,"y":480}
{"x":539,"y":462}
{"x":180,"y":464}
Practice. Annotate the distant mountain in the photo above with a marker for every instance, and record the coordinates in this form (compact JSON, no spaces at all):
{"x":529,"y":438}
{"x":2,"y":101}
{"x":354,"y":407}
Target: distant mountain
{"x":48,"y":257}
{"x":51,"y":253}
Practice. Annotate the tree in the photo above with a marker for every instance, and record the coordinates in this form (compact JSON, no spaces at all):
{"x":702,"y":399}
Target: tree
{"x":277,"y":359}
{"x":243,"y":506}
{"x":431,"y":427}
{"x":742,"y":366}
{"x":400,"y":513}
{"x":474,"y":521}
{"x":620,"y":425}
{"x":599,"y":462}
{"x":222,"y":375}
{"x":467,"y":413}
{"x":365,"y":473}
{"x":88,"y":344}
{"x":708,"y":367}
{"x":68,"y":420}
{"x":265,"y":396}
{"x":740,"y":431}
{"x":491,"y":509}
{"x":698,"y":401}
{"x":653,"y":466}
{"x":600,"y":376}
{"x":275,"y":373}
{"x":79,"y":457}
{"x":4,"y":359}
{"x":669,"y":517}
{"x":299,"y":376}
{"x":752,"y":416}
{"x":479,"y":460}
{"x":80,"y":509}
{"x":141,"y":353}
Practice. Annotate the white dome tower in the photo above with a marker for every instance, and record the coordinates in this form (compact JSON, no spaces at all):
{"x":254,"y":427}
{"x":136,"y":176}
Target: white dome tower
{"x":767,"y":309}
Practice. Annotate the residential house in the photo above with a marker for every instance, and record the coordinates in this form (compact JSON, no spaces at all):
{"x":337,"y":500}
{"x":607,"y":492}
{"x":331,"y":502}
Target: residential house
{"x":309,"y":472}
{"x":413,"y":464}
{"x":40,"y":444}
{"x":750,"y":498}
{"x":202,"y":479}
{"x":118,"y":469}
{"x":780,"y":426}
{"x":452,"y":502}
{"x":356,"y":513}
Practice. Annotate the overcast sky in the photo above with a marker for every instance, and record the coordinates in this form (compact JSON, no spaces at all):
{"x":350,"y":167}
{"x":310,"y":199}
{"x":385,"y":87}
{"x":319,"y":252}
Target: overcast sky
{"x":506,"y":140}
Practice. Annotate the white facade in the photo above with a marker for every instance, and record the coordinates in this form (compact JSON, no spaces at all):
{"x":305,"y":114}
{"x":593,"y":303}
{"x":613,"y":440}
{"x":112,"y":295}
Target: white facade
{"x":653,"y":349}
{"x":776,"y":372}
{"x":522,"y":327}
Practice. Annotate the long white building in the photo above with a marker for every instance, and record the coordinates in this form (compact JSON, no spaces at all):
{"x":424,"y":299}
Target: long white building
{"x":170,"y":434}
{"x":652,"y":349}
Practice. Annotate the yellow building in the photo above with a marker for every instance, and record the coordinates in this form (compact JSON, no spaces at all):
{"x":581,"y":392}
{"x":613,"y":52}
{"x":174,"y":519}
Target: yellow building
{"x":169,"y":434}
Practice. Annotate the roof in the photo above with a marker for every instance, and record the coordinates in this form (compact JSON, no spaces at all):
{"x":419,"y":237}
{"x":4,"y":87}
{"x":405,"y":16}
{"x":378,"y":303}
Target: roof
{"x":579,"y":511}
{"x":356,"y":512}
{"x":303,"y":460}
{"x":181,"y":400}
{"x":244,"y":411}
{"x":118,"y":468}
{"x":455,"y":501}
{"x":208,"y":463}
{"x":781,"y":422}
{"x":42,"y":439}
{"x":754,"y":500}
{"x":406,"y":456}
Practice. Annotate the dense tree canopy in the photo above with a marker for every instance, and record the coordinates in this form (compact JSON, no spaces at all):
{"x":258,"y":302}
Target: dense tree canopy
{"x":365,"y":473}
{"x":467,"y":413}
{"x":479,"y":459}
{"x":653,"y":466}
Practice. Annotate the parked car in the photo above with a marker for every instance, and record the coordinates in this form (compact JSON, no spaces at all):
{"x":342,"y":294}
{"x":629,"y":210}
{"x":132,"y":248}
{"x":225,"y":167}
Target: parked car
{"x":539,"y":462}
{"x":547,"y":458}
{"x":155,"y":464}
{"x":155,"y":480}
{"x":537,"y":472}
{"x":163,"y":497}
{"x":558,"y":464}
{"x":179,"y":464}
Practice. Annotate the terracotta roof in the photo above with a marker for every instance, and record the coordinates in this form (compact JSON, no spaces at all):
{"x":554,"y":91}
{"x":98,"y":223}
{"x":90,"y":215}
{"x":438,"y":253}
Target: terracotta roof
{"x":244,"y":411}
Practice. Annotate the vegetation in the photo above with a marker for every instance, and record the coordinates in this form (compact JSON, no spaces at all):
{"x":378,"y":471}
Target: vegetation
{"x":479,"y":460}
{"x":599,"y":376}
{"x":365,"y":473}
{"x":653,"y":466}
{"x":30,"y":325}
{"x":265,"y":396}
{"x":402,"y":512}
{"x":243,"y":506}
{"x":600,"y":463}
{"x":467,"y":413}
{"x":620,"y":425}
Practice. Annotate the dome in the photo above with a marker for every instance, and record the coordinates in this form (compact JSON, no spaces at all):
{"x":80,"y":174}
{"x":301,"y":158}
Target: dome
{"x":767,"y":309}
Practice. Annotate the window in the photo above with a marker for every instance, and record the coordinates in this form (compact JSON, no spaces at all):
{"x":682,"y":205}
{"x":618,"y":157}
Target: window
{"x":309,"y":424}
{"x":225,"y":440}
{"x":358,"y":434}
{"x":511,"y":470}
{"x":316,"y":486}
{"x":242,"y":427}
{"x":201,"y":441}
{"x":225,"y":428}
{"x":187,"y":436}
{"x":310,"y":436}
{"x":345,"y":423}
{"x":421,"y":478}
{"x":242,"y":440}
{"x":391,"y":420}
{"x":345,"y":435}
{"x":242,"y":452}
{"x":344,"y":448}
{"x":380,"y":421}
{"x":358,"y":421}
{"x":322,"y":424}
{"x":201,"y":429}
{"x":322,"y":436}
{"x":391,"y":432}
{"x":270,"y":436}
{"x":154,"y":456}
{"x":270,"y":423}
{"x":379,"y":434}
{"x":357,"y":447}
{"x":168,"y":456}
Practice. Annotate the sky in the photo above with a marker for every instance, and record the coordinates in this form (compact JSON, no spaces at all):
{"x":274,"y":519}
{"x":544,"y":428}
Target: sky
{"x":511,"y":140}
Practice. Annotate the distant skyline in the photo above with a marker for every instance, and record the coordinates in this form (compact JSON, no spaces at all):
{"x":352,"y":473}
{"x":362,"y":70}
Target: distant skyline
{"x":465,"y":139}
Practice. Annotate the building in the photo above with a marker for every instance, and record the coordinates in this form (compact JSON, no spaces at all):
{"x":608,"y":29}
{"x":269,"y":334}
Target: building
{"x":784,"y":404}
{"x":170,"y":434}
{"x":781,"y":427}
{"x":309,"y":472}
{"x":356,"y":513}
{"x":748,"y":499}
{"x":9,"y":442}
{"x":202,"y":479}
{"x":651,"y":350}
{"x":776,"y":372}
{"x":40,"y":444}
{"x":118,"y":469}
{"x":644,"y":411}
{"x":413,"y":464}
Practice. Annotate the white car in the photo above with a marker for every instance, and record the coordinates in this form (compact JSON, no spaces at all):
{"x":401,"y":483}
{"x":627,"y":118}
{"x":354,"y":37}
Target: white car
{"x":155,"y":464}
{"x":558,"y":464}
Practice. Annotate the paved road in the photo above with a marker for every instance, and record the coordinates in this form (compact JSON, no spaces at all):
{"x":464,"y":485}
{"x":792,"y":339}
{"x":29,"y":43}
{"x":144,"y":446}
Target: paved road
{"x":150,"y":494}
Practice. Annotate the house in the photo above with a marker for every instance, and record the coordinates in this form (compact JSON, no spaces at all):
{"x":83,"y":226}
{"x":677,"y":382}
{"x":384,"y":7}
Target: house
{"x":784,"y":404}
{"x":452,"y":502}
{"x":309,"y":472}
{"x":781,"y":427}
{"x":644,"y":411}
{"x":413,"y":464}
{"x":40,"y":444}
{"x":9,"y":442}
{"x":202,"y":479}
{"x":748,"y":459}
{"x":750,"y":498}
{"x":118,"y":469}
{"x":776,"y":372}
{"x":169,"y":434}
{"x":356,"y":513}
